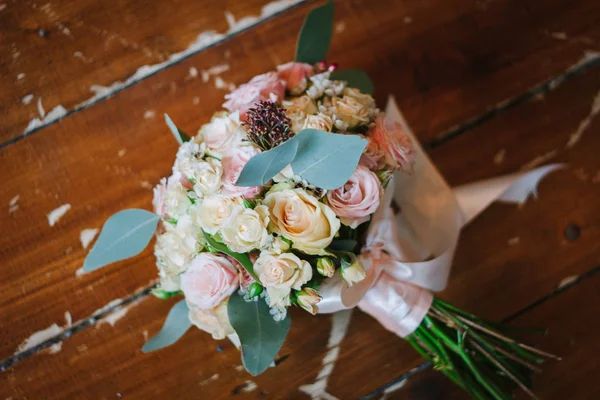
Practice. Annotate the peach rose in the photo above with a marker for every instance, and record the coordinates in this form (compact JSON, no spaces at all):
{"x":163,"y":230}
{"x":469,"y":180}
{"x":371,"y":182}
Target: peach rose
{"x":280,"y":273}
{"x":214,"y":321}
{"x":357,"y":199}
{"x":233,"y":163}
{"x":300,"y":217}
{"x":262,"y":87}
{"x":295,"y":75}
{"x":373,"y":156}
{"x":395,"y":143}
{"x":208,"y":280}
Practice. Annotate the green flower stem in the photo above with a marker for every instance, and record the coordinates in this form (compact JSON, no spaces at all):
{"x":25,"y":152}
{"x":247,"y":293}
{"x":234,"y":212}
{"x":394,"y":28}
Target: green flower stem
{"x":454,"y":347}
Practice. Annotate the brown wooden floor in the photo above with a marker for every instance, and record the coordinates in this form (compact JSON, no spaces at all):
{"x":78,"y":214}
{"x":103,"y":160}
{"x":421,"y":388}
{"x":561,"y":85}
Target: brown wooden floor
{"x":490,"y":87}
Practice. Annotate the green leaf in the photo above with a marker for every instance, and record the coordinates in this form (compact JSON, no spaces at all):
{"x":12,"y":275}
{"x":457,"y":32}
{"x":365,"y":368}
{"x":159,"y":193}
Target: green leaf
{"x":124,"y":235}
{"x":327,"y":160}
{"x":178,"y":133}
{"x":176,"y":324}
{"x":242,"y":258}
{"x":315,"y":36}
{"x":343,"y":245}
{"x":356,"y":78}
{"x":260,"y":335}
{"x":263,"y":166}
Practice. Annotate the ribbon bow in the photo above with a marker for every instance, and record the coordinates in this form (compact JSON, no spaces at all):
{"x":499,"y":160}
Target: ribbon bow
{"x":409,"y":255}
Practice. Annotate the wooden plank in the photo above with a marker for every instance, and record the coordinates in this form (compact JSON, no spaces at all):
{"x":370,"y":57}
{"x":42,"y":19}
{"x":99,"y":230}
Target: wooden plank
{"x":465,"y":58}
{"x":494,"y":275}
{"x":66,"y":54}
{"x":571,"y":319}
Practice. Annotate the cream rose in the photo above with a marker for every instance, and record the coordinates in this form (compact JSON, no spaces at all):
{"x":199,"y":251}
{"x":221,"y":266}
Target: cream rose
{"x":208,"y":280}
{"x":214,"y":321}
{"x":246,"y":229}
{"x":223,"y":133}
{"x":176,"y":246}
{"x":207,"y":176}
{"x":357,"y":199}
{"x":319,"y":121}
{"x":300,"y":217}
{"x":297,"y":109}
{"x":214,"y":210}
{"x":280,"y":273}
{"x":349,"y":112}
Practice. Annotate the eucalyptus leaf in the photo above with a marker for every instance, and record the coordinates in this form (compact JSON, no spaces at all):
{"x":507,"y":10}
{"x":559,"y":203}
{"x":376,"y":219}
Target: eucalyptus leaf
{"x":176,"y":324}
{"x":315,"y":35}
{"x":356,"y":78}
{"x":263,"y":166}
{"x":327,"y":160}
{"x":124,"y":235}
{"x":260,"y":335}
{"x":242,"y":258}
{"x":178,"y":133}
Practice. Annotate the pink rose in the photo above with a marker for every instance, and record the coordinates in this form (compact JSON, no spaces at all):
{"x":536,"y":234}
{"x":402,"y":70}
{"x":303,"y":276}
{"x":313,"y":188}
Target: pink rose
{"x":393,"y":140}
{"x":354,"y":202}
{"x":208,"y":280}
{"x":214,"y":321}
{"x":233,"y":163}
{"x":373,"y":157}
{"x":261,"y":87}
{"x":245,"y":278}
{"x":295,"y":75}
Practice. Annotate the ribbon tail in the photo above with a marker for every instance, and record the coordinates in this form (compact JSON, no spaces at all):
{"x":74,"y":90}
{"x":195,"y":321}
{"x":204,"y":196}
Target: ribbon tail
{"x":474,"y":198}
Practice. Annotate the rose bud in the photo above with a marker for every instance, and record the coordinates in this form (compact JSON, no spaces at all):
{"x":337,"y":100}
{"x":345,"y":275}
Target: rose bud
{"x":308,"y":299}
{"x":352,"y":269}
{"x":326,"y":267}
{"x":254,"y":290}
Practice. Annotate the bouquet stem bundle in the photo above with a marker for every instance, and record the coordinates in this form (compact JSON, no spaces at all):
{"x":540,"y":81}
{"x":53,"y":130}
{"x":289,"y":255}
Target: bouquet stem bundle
{"x":476,"y":354}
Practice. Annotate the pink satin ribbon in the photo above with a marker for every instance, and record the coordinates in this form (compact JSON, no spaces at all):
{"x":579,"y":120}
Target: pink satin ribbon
{"x":409,"y":255}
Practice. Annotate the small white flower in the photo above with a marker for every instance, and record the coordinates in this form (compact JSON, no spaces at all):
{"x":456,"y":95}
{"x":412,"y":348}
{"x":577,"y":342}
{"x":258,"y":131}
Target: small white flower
{"x":213,"y":211}
{"x":176,"y":198}
{"x":206,"y":177}
{"x":176,"y":247}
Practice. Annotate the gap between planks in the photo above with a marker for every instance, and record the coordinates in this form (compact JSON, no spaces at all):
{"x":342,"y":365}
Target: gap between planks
{"x":427,"y":365}
{"x":589,"y":61}
{"x":164,"y":65}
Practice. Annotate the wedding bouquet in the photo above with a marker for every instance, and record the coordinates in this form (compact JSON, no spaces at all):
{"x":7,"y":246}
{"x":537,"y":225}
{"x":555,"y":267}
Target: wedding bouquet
{"x":285,"y":199}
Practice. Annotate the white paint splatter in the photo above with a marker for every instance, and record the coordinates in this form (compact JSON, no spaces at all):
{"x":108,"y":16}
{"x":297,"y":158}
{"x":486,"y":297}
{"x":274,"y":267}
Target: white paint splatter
{"x":202,"y":41}
{"x":567,"y":281}
{"x":539,"y":160}
{"x":40,"y":108}
{"x":339,"y":328}
{"x":559,"y":35}
{"x":588,"y":56}
{"x":57,"y":213}
{"x":55,"y":114}
{"x":514,"y":241}
{"x":340,"y":27}
{"x":193,"y":72}
{"x":396,"y":386}
{"x":196,"y":100}
{"x":239,"y":368}
{"x":40,"y":337}
{"x":12,"y":204}
{"x":585,"y":123}
{"x":250,"y":386}
{"x":118,"y":313}
{"x":209,"y":380}
{"x":20,"y":76}
{"x":79,"y":55}
{"x":499,"y":157}
{"x":148,"y":114}
{"x":121,"y":152}
{"x":218,"y":69}
{"x":27,"y":99}
{"x":146,"y":185}
{"x":86,"y":236}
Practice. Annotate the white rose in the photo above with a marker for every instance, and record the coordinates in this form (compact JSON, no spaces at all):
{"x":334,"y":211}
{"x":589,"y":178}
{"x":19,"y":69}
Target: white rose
{"x":353,"y":271}
{"x":223,"y":133}
{"x":214,"y":321}
{"x":177,"y":246}
{"x":300,"y":217}
{"x":175,"y":199}
{"x":349,"y":112}
{"x":246,"y":229}
{"x":280,"y":273}
{"x":206,"y":177}
{"x":213,"y":211}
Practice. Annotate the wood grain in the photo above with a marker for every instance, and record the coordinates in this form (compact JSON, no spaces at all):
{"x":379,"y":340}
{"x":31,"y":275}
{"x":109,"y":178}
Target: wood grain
{"x":494,"y":275}
{"x":465,"y":58}
{"x":571,"y":319}
{"x":65,"y":52}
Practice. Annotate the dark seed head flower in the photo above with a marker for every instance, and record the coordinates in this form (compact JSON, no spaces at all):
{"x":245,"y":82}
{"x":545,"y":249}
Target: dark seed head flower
{"x":267,"y":125}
